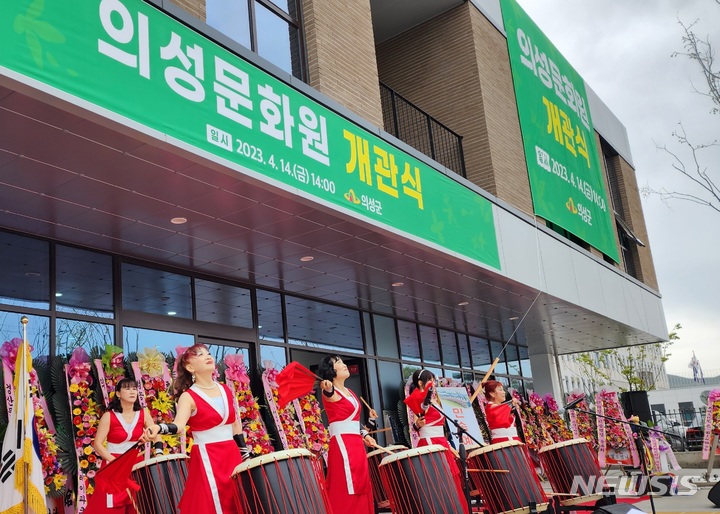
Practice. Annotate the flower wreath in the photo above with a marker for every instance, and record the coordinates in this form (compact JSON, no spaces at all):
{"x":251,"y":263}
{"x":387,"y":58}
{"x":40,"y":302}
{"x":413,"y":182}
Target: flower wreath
{"x":712,"y":421}
{"x":582,"y":424}
{"x":110,"y":370}
{"x":317,"y":434}
{"x":289,"y":428}
{"x":535,"y":434}
{"x":553,"y":422}
{"x":238,"y":380}
{"x":54,"y":477}
{"x":613,"y":435}
{"x":152,"y":373}
{"x":85,"y":418}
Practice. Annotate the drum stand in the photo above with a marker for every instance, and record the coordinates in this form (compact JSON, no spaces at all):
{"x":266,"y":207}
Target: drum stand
{"x":643,"y":463}
{"x":463,"y":457}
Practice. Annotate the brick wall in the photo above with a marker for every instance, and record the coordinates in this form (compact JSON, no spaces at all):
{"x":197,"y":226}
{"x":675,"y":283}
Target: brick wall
{"x":194,"y":7}
{"x":456,"y":68}
{"x":341,"y":54}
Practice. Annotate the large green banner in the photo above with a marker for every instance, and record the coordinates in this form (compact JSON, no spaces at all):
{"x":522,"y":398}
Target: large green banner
{"x":129,"y":58}
{"x":566,"y":178}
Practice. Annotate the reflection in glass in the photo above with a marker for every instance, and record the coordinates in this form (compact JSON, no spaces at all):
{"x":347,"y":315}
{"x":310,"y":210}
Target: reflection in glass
{"x":449,"y":348}
{"x":430,"y":346}
{"x":408,"y":370}
{"x":525,"y":362}
{"x":25,"y":263}
{"x":220,"y":351}
{"x":409,"y":346}
{"x":385,"y":336}
{"x":156,"y":292}
{"x":71,"y":334}
{"x":511,"y":354}
{"x":320,"y":325}
{"x":274,"y":355}
{"x":230,"y":18}
{"x":84,"y":282}
{"x":37,"y":329}
{"x":496,"y":350}
{"x":480,"y":349}
{"x":221,"y":303}
{"x":136,"y":339}
{"x":277,"y":40}
{"x":464,"y":347}
{"x":270,"y":319}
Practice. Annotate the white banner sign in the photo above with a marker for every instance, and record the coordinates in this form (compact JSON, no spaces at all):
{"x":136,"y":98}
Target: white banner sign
{"x":456,"y":405}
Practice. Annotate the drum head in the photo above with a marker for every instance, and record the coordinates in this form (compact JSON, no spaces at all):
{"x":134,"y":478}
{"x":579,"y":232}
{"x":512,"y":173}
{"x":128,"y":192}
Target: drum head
{"x":271,"y":457}
{"x":414,"y":452}
{"x":392,"y":448}
{"x":160,"y":459}
{"x":562,"y":444}
{"x":494,"y":447}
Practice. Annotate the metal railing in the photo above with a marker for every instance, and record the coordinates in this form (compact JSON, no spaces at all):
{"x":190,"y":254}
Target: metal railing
{"x":410,"y":124}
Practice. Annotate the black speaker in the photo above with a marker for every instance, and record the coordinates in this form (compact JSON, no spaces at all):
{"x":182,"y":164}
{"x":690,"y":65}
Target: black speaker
{"x":619,"y":508}
{"x":714,"y":494}
{"x":636,"y":403}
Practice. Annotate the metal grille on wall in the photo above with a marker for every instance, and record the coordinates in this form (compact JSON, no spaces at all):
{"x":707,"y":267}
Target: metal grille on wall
{"x":417,"y":128}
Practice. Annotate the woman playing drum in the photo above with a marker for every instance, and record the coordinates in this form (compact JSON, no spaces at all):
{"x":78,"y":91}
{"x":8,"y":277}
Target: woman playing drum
{"x":348,"y":479}
{"x":500,"y":414}
{"x":218,"y":444}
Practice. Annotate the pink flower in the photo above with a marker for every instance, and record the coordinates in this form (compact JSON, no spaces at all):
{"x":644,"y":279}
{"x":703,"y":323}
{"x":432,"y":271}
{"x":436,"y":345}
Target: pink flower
{"x":236,"y":369}
{"x":9,"y":351}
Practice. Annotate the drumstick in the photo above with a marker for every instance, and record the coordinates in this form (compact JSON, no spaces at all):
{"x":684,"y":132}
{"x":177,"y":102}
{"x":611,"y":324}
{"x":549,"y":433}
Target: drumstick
{"x":366,"y":403}
{"x":383,"y":449}
{"x":485,"y":378}
{"x":472,"y":470}
{"x":379,"y":430}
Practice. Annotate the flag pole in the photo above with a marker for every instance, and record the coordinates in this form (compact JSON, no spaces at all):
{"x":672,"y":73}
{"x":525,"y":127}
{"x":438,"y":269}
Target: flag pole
{"x":26,"y":476}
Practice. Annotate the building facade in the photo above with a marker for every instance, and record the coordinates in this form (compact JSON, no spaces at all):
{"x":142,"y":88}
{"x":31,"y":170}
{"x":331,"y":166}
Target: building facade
{"x":287,"y":179}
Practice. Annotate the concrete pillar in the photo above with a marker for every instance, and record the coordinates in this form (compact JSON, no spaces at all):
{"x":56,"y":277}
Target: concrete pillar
{"x":545,"y":376}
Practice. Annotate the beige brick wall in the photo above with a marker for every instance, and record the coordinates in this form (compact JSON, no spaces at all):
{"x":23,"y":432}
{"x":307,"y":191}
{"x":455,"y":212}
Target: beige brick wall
{"x":341,"y":54}
{"x":456,"y":68}
{"x":194,"y":7}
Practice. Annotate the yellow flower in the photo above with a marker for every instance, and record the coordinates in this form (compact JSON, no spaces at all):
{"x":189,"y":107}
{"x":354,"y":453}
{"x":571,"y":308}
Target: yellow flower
{"x":162,"y":402}
{"x":59,"y":481}
{"x":73,"y":388}
{"x":90,"y":489}
{"x":77,"y":411}
{"x":151,"y":362}
{"x":83,"y":464}
{"x":87,"y":450}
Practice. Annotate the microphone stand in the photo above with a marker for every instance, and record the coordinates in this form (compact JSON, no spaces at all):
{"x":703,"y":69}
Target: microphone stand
{"x":643,"y":464}
{"x":463,"y":455}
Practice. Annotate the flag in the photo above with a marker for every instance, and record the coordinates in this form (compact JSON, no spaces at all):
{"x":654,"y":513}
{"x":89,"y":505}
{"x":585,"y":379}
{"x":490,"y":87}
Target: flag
{"x":294,"y":381}
{"x":20,"y":460}
{"x":114,"y":489}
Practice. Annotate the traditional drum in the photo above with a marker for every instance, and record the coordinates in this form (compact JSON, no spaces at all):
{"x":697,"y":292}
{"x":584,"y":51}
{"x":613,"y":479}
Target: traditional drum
{"x":374,"y":458}
{"x":284,"y":482}
{"x":418,"y":481}
{"x":511,"y":491}
{"x":162,"y":482}
{"x":565,"y":461}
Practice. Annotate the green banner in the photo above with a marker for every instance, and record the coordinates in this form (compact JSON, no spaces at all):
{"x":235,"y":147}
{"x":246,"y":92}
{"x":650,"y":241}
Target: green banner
{"x":566,"y":178}
{"x":132,"y":59}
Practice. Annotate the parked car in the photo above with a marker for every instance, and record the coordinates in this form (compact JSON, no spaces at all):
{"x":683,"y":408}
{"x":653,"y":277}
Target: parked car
{"x":694,"y":438}
{"x":678,"y":432}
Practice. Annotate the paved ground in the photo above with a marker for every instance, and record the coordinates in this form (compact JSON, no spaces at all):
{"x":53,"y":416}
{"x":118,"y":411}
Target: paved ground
{"x":690,"y":498}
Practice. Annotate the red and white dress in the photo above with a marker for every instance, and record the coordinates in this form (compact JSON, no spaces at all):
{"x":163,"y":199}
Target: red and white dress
{"x":213,"y":457}
{"x":348,"y":478}
{"x":501,"y":422}
{"x":433,"y":432}
{"x":122,"y":435}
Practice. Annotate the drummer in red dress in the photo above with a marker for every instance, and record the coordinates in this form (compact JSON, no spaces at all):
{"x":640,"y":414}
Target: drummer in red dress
{"x":430,"y":423}
{"x":348,"y":478}
{"x":208,"y":408}
{"x":123,"y":423}
{"x":500,"y":414}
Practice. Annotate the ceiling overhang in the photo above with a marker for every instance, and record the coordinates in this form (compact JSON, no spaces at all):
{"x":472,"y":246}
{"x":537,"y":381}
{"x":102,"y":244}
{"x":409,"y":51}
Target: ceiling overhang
{"x":393,"y":17}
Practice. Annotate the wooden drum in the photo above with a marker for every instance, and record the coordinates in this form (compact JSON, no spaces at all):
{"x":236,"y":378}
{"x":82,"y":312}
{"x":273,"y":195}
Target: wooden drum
{"x":284,"y":482}
{"x":162,"y":482}
{"x":511,"y":491}
{"x":572,"y":468}
{"x":375,"y":457}
{"x":418,"y":481}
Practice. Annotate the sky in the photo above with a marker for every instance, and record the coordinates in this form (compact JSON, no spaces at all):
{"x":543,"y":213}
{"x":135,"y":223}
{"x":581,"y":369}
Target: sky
{"x":623,"y":49}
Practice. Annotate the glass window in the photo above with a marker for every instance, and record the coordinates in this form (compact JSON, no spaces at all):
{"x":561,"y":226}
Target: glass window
{"x":464,"y":351}
{"x":390,"y":377}
{"x":449,"y":348}
{"x":511,"y":355}
{"x":25,"y":264}
{"x":408,"y":370}
{"x":272,"y":356}
{"x":367,"y":329}
{"x":230,"y":18}
{"x":409,"y":346}
{"x":385,"y":337}
{"x":430,"y":346}
{"x":481,"y":358}
{"x":136,"y":339}
{"x":524,"y":361}
{"x":37,"y":331}
{"x":286,"y":5}
{"x":319,"y":325}
{"x":277,"y":40}
{"x":71,"y":334}
{"x":219,"y":350}
{"x":221,"y":303}
{"x":496,"y":349}
{"x":270,"y":318}
{"x":156,"y":291}
{"x":83,"y":282}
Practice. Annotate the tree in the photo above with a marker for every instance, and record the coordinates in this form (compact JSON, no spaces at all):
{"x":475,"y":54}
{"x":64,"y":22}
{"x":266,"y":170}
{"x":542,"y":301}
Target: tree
{"x":704,"y":182}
